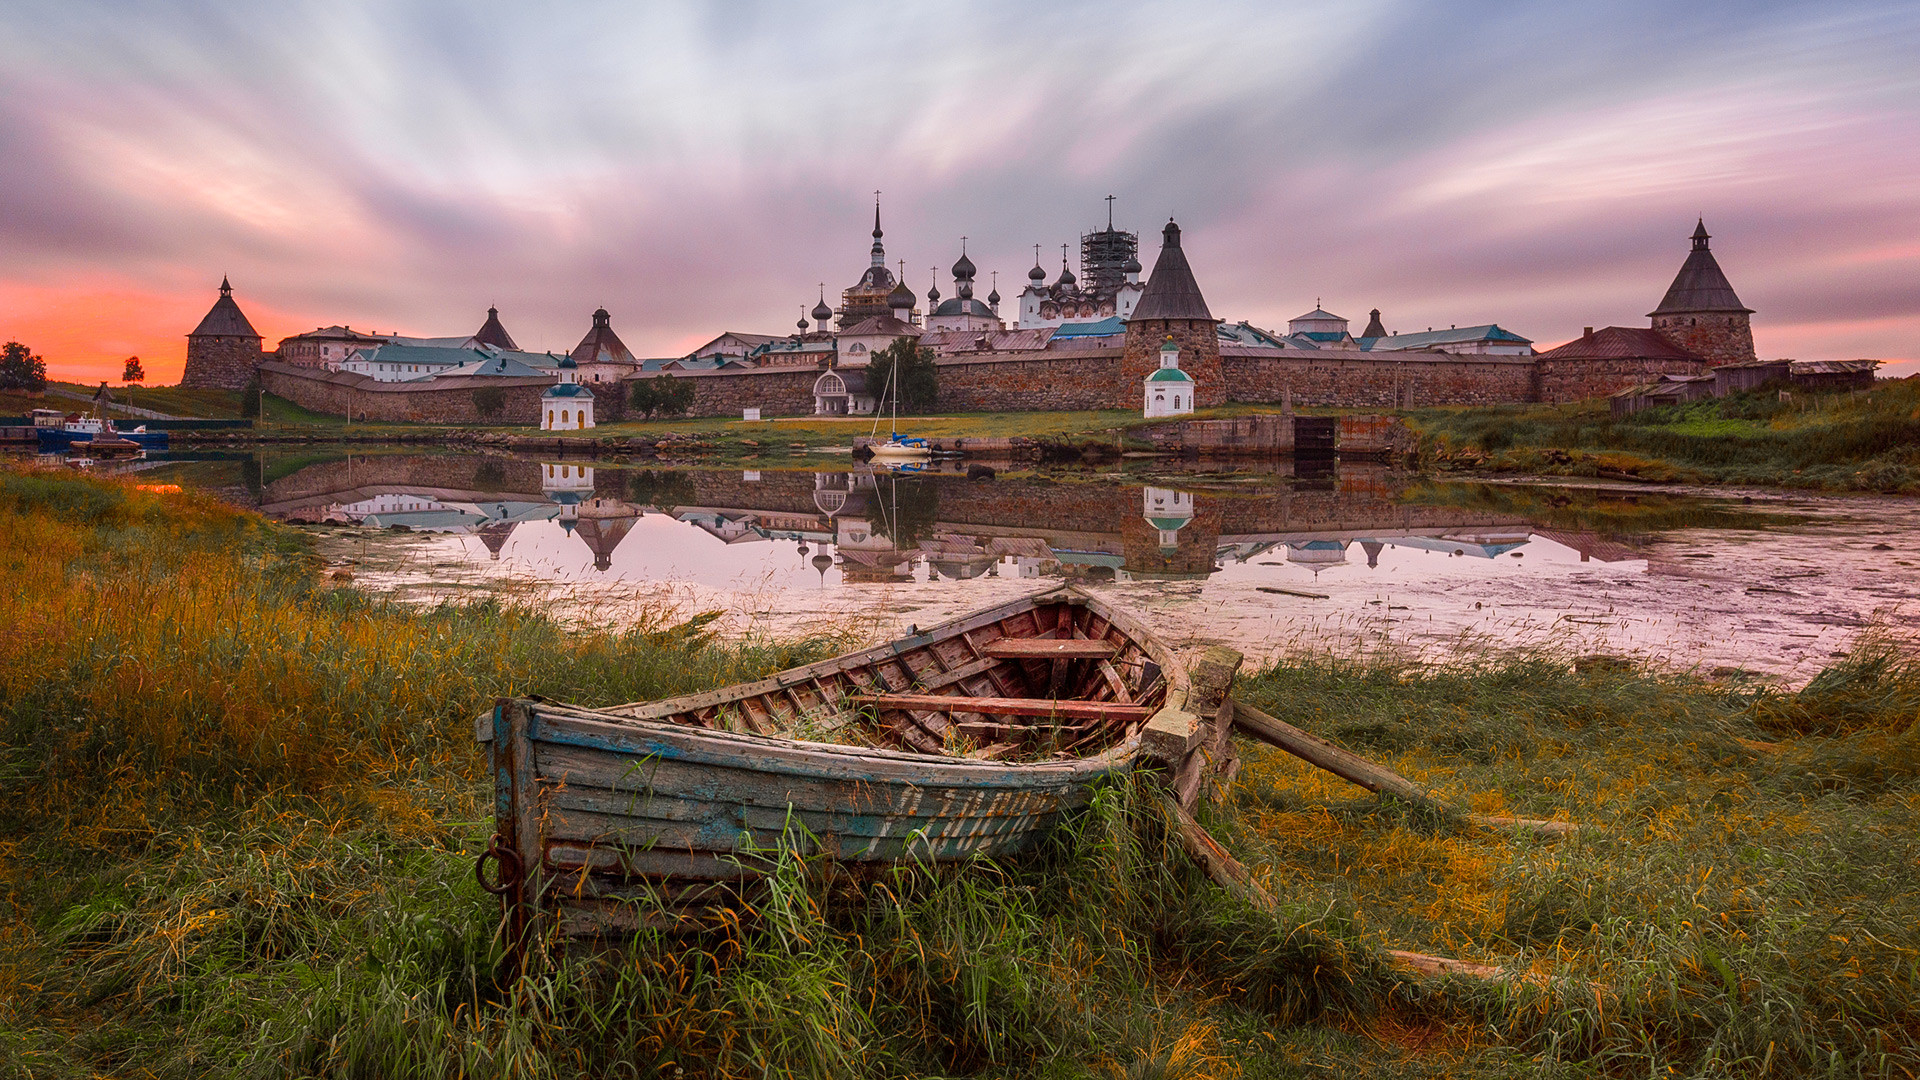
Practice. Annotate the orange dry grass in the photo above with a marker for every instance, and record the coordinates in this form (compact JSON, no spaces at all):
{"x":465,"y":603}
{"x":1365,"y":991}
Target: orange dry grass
{"x":1463,"y":894}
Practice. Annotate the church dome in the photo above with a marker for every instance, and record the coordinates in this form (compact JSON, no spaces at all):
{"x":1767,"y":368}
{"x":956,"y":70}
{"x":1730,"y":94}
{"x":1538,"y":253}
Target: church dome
{"x":901,"y":296}
{"x":993,"y":297}
{"x":1036,"y":274}
{"x":1131,"y":266}
{"x":964,"y":269}
{"x":1066,"y":276}
{"x":821,"y":312}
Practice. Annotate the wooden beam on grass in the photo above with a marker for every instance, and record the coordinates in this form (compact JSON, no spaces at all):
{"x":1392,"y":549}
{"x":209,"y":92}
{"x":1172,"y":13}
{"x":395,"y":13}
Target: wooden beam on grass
{"x":1232,"y":875}
{"x":1352,"y":767}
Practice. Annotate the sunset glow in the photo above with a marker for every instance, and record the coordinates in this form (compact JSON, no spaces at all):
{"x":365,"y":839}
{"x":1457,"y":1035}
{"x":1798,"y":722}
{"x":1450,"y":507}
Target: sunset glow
{"x":402,"y":166}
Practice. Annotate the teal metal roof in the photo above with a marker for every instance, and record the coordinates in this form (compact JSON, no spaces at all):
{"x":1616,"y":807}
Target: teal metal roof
{"x":568,"y":390}
{"x":1170,"y":524}
{"x":1104,"y":328}
{"x":1439,"y":339}
{"x":422,"y":355}
{"x":1169,"y":374}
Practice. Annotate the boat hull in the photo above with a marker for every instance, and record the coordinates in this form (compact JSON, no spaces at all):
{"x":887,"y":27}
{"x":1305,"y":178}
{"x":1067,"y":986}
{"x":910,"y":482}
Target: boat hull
{"x":605,"y":811}
{"x":611,"y":818}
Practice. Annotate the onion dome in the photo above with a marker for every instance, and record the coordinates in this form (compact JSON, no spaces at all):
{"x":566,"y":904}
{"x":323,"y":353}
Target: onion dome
{"x":993,"y":297}
{"x":1066,"y":275}
{"x":964,"y":269}
{"x":821,"y":312}
{"x":901,"y":296}
{"x":802,"y":324}
{"x":933,"y":294}
{"x":1131,"y":266}
{"x":566,"y":362}
{"x":1036,"y":274}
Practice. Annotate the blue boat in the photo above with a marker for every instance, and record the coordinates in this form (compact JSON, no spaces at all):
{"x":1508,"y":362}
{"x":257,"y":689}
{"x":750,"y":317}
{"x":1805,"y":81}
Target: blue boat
{"x":78,"y":436}
{"x":971,"y":738}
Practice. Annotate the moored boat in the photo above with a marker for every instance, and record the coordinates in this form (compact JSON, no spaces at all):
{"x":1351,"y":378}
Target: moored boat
{"x":970,"y":738}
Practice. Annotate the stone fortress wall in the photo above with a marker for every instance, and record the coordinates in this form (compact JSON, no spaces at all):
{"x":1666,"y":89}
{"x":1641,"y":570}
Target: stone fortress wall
{"x":1020,"y":382}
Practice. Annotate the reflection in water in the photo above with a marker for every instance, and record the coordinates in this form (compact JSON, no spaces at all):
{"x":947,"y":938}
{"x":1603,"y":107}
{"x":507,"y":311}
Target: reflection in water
{"x":571,"y":520}
{"x":1348,"y":558}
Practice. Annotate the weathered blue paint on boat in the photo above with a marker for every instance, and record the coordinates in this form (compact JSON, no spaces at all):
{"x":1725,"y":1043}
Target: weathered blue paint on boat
{"x":607,"y":812}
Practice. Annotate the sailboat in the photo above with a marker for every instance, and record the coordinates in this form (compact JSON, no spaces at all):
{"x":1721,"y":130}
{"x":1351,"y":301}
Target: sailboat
{"x":898,"y":447}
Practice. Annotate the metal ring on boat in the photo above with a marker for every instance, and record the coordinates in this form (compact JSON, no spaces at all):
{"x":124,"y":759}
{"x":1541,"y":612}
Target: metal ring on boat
{"x":510,"y":866}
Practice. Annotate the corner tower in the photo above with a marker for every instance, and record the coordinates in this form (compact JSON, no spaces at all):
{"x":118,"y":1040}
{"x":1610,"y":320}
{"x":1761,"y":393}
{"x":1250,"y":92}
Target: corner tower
{"x":224,"y":350}
{"x":1700,"y":312}
{"x":1172,"y":309}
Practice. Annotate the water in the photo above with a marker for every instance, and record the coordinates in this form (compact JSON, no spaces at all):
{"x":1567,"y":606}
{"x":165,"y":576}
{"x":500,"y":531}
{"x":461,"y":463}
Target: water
{"x":1351,"y":558}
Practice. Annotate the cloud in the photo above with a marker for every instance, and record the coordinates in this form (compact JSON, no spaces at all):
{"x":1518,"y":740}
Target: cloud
{"x":698,"y":168}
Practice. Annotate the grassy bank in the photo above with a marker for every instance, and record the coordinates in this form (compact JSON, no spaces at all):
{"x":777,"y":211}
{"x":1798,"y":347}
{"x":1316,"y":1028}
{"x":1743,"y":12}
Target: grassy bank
{"x":1833,"y":441}
{"x":240,"y":810}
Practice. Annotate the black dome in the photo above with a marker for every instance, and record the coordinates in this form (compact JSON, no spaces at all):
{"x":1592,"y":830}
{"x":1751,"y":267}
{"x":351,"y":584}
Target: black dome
{"x":901,"y":296}
{"x":964,"y":268}
{"x":821,"y":312}
{"x":993,"y":297}
{"x":1036,"y":274}
{"x":1131,"y":266}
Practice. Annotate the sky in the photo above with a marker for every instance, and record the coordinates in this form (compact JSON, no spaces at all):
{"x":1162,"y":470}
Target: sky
{"x":399,"y":165}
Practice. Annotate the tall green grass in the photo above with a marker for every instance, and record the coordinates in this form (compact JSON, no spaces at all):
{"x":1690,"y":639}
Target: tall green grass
{"x":1839,"y":441}
{"x":240,"y":810}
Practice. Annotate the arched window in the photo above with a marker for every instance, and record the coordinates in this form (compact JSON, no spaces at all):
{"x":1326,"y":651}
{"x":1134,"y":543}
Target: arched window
{"x":565,"y":417}
{"x":549,"y":424}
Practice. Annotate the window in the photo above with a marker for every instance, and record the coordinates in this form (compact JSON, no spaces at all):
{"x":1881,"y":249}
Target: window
{"x":549,"y":424}
{"x":565,"y":417}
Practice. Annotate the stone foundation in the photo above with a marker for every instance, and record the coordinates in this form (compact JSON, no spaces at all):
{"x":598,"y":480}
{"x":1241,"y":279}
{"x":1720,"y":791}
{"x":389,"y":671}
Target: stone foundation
{"x":1721,"y":337}
{"x":218,"y":362}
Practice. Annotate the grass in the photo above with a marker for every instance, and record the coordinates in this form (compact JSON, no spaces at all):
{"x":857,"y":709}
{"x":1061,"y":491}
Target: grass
{"x":1868,"y":441}
{"x":238,"y":812}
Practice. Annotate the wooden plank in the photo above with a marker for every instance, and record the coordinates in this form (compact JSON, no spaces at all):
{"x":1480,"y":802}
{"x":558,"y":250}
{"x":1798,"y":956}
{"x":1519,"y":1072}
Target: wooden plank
{"x":1049,"y":648}
{"x":1072,"y":710}
{"x":1317,"y":751}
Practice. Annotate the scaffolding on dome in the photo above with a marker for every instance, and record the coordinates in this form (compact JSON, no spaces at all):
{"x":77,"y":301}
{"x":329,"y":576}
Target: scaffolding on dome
{"x":1103,"y":258}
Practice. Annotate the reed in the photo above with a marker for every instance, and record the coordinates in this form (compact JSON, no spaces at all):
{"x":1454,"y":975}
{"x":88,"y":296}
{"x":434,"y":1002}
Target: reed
{"x":240,"y":810}
{"x":1866,"y":441}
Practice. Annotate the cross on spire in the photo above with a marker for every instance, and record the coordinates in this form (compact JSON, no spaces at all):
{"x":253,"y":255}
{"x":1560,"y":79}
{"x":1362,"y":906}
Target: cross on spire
{"x":1109,"y":213}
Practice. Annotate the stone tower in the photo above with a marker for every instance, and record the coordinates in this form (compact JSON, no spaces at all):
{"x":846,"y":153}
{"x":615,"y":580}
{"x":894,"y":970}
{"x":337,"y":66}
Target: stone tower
{"x":1700,"y":313}
{"x":1171,"y":308}
{"x":224,"y":350}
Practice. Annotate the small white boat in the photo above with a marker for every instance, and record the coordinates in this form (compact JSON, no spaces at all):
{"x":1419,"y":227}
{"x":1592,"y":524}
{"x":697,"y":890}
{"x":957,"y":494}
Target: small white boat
{"x":901,"y":448}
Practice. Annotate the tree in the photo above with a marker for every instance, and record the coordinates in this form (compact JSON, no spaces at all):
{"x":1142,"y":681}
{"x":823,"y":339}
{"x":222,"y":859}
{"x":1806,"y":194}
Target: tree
{"x":490,"y":401}
{"x":661,"y":394}
{"x":250,"y":399}
{"x":904,"y":369}
{"x":133,"y":372}
{"x":20,"y":369}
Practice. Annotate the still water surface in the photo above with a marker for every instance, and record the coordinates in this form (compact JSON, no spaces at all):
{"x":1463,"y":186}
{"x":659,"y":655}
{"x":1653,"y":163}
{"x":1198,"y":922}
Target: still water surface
{"x":1348,"y":559}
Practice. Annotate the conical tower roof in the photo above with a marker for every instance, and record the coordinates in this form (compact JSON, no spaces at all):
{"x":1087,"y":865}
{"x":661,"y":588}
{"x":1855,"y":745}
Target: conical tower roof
{"x":225,"y":318}
{"x":1171,"y":292}
{"x":1700,"y":285}
{"x":1374,"y":328}
{"x":494,"y":334}
{"x":601,"y":343}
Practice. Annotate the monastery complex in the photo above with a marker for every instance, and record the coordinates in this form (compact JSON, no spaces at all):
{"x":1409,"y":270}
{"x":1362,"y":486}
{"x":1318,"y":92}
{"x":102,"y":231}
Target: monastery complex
{"x":1112,"y":336}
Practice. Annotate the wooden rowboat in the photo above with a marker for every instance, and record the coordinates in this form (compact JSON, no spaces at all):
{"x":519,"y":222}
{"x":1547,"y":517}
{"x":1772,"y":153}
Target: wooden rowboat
{"x":971,"y":738}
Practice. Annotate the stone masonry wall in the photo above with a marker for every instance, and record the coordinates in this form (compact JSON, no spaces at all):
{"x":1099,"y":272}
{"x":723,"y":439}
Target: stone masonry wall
{"x":443,"y":401}
{"x":1068,"y":381}
{"x":1721,"y":337}
{"x":1362,"y":380}
{"x":219,"y":362}
{"x":1199,"y":358}
{"x":1572,"y":380}
{"x":775,"y":391}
